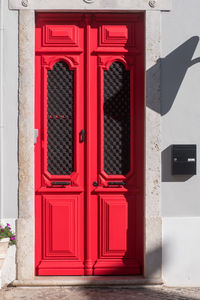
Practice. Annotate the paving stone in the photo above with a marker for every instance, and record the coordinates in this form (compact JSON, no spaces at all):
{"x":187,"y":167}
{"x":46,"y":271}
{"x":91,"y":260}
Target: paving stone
{"x":102,"y":293}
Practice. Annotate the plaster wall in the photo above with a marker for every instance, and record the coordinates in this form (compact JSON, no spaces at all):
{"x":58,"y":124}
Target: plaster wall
{"x":8,"y":111}
{"x":180,"y":122}
{"x":8,"y":130}
{"x":181,"y":248}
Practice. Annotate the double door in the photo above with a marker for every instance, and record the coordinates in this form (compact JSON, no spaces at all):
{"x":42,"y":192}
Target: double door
{"x":89,"y":155}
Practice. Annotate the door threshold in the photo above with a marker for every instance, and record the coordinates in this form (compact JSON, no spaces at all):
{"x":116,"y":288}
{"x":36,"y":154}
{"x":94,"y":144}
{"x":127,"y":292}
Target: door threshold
{"x":86,"y":281}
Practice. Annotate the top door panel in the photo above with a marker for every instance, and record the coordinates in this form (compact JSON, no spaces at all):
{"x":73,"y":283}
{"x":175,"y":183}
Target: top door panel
{"x":59,"y":33}
{"x":118,"y":33}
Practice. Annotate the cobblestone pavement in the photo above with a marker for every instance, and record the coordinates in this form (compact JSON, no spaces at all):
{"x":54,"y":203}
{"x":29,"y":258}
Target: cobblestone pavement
{"x":87,"y":293}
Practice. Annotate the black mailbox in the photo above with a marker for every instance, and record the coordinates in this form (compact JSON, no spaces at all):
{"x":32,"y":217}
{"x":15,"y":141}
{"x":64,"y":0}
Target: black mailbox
{"x":184,"y":159}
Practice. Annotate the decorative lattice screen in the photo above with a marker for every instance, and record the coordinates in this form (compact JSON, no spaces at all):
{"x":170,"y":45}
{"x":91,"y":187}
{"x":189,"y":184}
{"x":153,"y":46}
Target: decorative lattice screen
{"x":117,"y":120}
{"x":60,"y":119}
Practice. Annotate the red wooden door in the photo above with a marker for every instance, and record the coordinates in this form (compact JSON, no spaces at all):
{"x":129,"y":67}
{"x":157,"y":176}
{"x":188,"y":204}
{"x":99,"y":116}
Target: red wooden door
{"x":89,"y":155}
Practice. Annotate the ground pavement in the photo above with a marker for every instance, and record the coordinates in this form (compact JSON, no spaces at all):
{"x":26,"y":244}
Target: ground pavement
{"x":102,"y":293}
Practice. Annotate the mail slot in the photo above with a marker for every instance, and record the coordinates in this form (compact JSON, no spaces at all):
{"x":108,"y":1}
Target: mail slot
{"x":184,"y":159}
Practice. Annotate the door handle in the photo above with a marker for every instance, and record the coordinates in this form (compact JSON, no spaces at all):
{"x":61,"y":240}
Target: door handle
{"x":60,"y":183}
{"x":82,"y":135}
{"x":117,"y":183}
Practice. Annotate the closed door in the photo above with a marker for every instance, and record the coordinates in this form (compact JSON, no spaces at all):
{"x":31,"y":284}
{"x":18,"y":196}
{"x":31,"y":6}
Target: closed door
{"x":89,"y":154}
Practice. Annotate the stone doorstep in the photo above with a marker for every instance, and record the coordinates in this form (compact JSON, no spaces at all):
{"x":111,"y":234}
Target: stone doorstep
{"x":86,"y":281}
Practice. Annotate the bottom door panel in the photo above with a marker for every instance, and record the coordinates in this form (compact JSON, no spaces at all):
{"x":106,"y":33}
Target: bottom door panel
{"x":62,"y":231}
{"x":60,"y":268}
{"x":117,"y":253}
{"x":113,"y":226}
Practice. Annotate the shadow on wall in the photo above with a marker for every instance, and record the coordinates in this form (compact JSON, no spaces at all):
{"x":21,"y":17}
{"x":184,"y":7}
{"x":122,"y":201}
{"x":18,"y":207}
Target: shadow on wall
{"x":173,"y":70}
{"x":154,"y":262}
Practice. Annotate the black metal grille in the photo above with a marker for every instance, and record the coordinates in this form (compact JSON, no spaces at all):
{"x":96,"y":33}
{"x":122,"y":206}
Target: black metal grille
{"x":60,"y":119}
{"x":117,"y":120}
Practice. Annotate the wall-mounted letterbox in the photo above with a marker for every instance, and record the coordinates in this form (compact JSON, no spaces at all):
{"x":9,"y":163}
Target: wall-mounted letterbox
{"x":184,"y":159}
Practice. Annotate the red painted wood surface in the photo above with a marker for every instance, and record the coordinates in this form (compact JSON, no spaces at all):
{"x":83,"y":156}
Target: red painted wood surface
{"x":82,"y":229}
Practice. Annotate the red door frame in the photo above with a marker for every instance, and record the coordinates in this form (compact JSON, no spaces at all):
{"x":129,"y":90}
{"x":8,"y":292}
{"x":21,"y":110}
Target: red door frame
{"x":93,"y":258}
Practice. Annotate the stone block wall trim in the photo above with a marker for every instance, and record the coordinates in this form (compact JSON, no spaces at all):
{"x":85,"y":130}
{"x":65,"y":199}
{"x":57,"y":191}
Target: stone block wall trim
{"x":153,"y":221}
{"x":25,"y":223}
{"x":130,"y":5}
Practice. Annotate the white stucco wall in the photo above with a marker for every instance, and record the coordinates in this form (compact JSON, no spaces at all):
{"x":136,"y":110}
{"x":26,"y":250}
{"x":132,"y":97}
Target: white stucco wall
{"x":8,"y":130}
{"x":8,"y":111}
{"x":180,"y":97}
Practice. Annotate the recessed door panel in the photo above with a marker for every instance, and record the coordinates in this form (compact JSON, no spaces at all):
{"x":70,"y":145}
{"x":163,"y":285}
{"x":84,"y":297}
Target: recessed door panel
{"x":62,"y":225}
{"x":113,"y":226}
{"x":89,"y":155}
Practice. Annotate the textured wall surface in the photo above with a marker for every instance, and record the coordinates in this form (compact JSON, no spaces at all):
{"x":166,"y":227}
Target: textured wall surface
{"x":91,"y":4}
{"x":153,"y":237}
{"x":180,"y":110}
{"x":180,"y":103}
{"x":181,"y":259}
{"x":25,"y":223}
{"x":8,"y":111}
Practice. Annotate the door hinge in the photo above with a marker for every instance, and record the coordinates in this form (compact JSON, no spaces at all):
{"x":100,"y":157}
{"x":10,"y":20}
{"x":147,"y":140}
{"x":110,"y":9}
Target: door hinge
{"x":36,"y":133}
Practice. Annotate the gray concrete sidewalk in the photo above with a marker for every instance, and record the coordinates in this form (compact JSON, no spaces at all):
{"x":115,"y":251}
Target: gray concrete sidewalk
{"x":88,"y":293}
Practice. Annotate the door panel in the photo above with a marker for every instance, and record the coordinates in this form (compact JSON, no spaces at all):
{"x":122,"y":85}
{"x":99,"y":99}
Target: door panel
{"x":119,"y":177}
{"x":89,"y":156}
{"x":113,"y":226}
{"x":59,"y":153}
{"x":61,"y":219}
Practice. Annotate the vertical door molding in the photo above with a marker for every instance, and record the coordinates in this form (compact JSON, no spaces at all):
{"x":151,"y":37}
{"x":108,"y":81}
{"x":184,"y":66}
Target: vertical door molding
{"x":25,"y":223}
